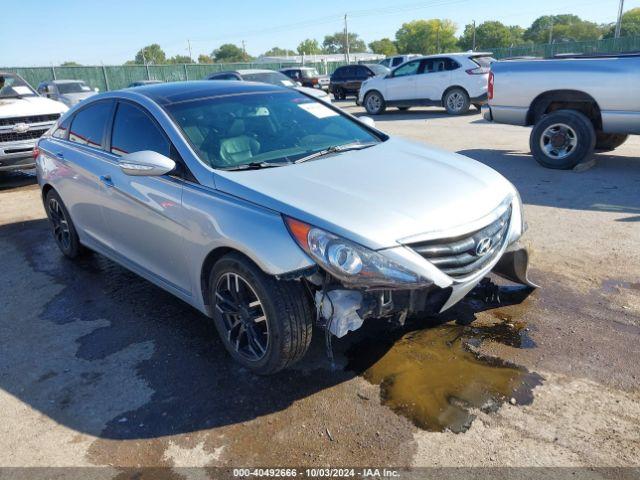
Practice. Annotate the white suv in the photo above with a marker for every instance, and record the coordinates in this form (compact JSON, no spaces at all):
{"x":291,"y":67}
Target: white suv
{"x":455,"y":81}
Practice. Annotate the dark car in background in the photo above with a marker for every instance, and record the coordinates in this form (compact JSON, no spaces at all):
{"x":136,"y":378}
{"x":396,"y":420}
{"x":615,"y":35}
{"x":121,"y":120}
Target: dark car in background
{"x":307,"y":77}
{"x":346,"y":80}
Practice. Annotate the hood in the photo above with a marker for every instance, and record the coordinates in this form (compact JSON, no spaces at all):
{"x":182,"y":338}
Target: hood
{"x":27,"y":106}
{"x":379,"y":195}
{"x":71,"y":99}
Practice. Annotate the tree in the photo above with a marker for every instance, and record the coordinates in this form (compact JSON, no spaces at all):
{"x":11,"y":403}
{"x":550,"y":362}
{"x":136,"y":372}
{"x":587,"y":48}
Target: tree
{"x":309,"y":47}
{"x":384,"y":46}
{"x":427,"y":36}
{"x":630,"y":25}
{"x":151,"y":54}
{"x":202,"y":58}
{"x":491,"y":35}
{"x":279,"y":52}
{"x":230,"y":53}
{"x":562,"y":28}
{"x":180,"y":59}
{"x":70,"y":64}
{"x":337,"y":43}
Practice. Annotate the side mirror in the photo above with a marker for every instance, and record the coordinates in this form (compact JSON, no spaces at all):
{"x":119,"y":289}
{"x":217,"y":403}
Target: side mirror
{"x":298,"y":84}
{"x":368,"y":121}
{"x":146,"y":164}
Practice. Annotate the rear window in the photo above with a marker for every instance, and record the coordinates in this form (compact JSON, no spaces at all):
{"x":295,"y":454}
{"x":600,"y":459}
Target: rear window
{"x":379,"y":69}
{"x":88,"y":125}
{"x":484,"y":62}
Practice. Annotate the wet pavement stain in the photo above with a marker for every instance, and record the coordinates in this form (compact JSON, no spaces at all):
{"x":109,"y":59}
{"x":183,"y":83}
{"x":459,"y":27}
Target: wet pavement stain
{"x":614,"y":285}
{"x":436,"y":378}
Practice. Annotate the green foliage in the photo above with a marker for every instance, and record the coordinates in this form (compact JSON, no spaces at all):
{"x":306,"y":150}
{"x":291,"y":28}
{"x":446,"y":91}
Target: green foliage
{"x":230,"y":53}
{"x":279,"y":52}
{"x":202,"y":58}
{"x":384,"y":46}
{"x":491,"y":35}
{"x":309,"y":47}
{"x":336,"y":43}
{"x":630,"y":25}
{"x":151,"y":54}
{"x":180,"y":59}
{"x":562,"y":28}
{"x":427,"y":36}
{"x":70,"y":64}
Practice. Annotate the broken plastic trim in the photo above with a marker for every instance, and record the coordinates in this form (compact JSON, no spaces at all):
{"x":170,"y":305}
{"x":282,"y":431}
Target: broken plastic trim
{"x":514,"y":266}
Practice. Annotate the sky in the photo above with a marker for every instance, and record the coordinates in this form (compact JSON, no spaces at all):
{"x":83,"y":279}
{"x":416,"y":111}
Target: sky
{"x":38,"y":33}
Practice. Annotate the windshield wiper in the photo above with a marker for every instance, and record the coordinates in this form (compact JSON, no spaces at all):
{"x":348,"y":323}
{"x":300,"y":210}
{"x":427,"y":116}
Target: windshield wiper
{"x":335,"y":149}
{"x":253,"y":166}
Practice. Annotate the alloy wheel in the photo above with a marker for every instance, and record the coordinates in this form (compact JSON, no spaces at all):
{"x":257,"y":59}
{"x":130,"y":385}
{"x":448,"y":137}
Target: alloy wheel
{"x":558,"y":141}
{"x":243,"y":316}
{"x":456,"y":101}
{"x":61,"y":230}
{"x":374,"y":103}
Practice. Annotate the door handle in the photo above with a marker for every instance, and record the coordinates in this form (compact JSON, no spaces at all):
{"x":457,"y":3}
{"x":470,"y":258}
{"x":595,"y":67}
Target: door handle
{"x":106,"y":180}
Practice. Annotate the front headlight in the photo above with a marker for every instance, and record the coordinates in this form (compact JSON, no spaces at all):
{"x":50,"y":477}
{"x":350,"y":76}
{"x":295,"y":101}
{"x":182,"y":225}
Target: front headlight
{"x":351,"y":263}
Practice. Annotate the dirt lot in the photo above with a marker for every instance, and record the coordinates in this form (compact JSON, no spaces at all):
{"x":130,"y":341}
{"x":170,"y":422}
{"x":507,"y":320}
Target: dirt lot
{"x":101,"y":368}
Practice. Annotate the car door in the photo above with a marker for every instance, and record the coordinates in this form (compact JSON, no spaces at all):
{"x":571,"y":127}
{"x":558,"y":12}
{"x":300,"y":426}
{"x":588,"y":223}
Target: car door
{"x":79,"y":160}
{"x":434,"y":79}
{"x":401,"y":85}
{"x":144,"y":213}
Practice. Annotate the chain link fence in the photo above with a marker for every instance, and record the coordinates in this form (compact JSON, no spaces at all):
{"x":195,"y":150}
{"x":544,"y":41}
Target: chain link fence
{"x":115,"y":77}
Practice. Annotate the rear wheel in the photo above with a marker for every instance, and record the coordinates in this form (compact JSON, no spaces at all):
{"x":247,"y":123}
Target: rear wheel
{"x":339,"y":93}
{"x":563,"y":139}
{"x":63,"y":229}
{"x":374,"y":103}
{"x":265,"y":324}
{"x":456,"y":101}
{"x":607,"y":142}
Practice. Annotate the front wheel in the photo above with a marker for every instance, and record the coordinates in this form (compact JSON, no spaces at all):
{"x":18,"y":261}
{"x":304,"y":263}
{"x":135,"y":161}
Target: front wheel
{"x":374,"y":103}
{"x":563,"y":139}
{"x":456,"y":101}
{"x":264,"y":323}
{"x":339,"y":93}
{"x":63,"y":229}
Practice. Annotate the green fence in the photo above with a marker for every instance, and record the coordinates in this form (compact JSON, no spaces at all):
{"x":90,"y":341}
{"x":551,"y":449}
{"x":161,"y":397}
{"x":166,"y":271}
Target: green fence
{"x":120,"y":76}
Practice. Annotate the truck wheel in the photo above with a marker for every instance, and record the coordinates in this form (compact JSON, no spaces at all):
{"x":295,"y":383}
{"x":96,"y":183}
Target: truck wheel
{"x":63,"y":229}
{"x":264,"y":323}
{"x":339,"y":93}
{"x":456,"y":101}
{"x":607,"y":142}
{"x":563,"y":139}
{"x":374,"y":103}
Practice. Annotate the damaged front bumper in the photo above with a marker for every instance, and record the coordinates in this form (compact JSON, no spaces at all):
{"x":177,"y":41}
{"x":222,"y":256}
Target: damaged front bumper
{"x":343,"y":310}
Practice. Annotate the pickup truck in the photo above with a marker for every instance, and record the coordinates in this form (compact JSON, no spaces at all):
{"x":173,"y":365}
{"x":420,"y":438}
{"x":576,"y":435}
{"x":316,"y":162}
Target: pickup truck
{"x":24,"y":117}
{"x":576,"y":105}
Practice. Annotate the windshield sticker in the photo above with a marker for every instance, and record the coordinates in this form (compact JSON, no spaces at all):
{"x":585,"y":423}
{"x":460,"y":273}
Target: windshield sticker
{"x":21,"y":90}
{"x":318,"y":110}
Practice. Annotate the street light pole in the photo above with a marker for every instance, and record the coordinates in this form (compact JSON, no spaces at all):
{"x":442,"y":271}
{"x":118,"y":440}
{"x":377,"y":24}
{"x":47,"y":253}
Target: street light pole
{"x":346,"y":39}
{"x":619,"y":24}
{"x":474,"y":36}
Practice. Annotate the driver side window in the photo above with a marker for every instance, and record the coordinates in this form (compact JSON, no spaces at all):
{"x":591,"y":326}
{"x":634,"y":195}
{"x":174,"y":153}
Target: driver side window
{"x":410,"y":68}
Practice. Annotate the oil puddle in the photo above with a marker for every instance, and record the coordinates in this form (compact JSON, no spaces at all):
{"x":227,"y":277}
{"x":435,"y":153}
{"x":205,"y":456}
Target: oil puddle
{"x":436,"y":378}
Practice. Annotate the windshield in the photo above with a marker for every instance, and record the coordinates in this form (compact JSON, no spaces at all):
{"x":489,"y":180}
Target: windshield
{"x":73,"y":87}
{"x":310,"y":73}
{"x":273,"y":127}
{"x":274,"y":78}
{"x":12,"y":86}
{"x":379,"y":69}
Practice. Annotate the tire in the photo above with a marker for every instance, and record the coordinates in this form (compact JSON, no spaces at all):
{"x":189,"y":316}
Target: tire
{"x":607,"y":142}
{"x":374,"y":103}
{"x":456,"y":101}
{"x":339,"y":93}
{"x":403,"y":109}
{"x":568,"y":126}
{"x":62,"y":227}
{"x":478,"y":106}
{"x":284,"y":312}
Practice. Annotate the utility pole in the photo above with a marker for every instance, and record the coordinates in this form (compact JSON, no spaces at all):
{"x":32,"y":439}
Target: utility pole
{"x":619,"y":24}
{"x":189,"y":47}
{"x":244,"y":50}
{"x":474,"y":36}
{"x":438,"y":39}
{"x":346,"y":39}
{"x":551,"y":32}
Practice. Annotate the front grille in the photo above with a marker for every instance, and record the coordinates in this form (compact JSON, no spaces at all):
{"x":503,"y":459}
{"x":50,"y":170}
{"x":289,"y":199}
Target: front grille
{"x":17,"y":137}
{"x":463,"y":256}
{"x":31,"y":119}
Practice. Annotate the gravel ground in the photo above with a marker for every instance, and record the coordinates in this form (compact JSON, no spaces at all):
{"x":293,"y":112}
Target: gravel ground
{"x":101,"y":368}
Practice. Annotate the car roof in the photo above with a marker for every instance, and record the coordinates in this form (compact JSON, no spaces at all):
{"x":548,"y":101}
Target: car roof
{"x":173,"y":92}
